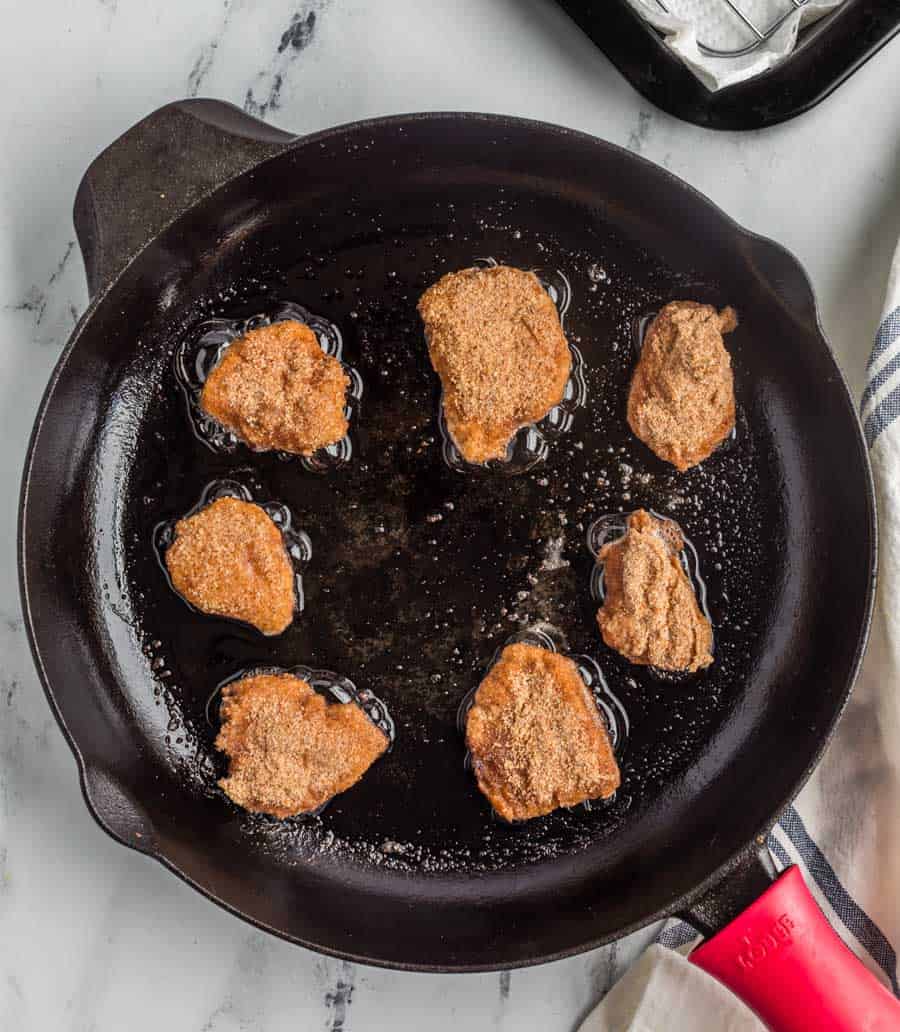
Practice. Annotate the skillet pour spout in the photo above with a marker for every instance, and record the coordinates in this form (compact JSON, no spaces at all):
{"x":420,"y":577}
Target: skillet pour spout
{"x":200,"y":212}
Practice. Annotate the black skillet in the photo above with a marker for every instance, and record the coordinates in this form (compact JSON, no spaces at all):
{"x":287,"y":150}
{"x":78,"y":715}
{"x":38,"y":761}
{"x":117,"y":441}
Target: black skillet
{"x":419,"y":572}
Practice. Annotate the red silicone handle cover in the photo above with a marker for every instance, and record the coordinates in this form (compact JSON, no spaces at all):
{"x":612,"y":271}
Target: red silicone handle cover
{"x":784,"y":960}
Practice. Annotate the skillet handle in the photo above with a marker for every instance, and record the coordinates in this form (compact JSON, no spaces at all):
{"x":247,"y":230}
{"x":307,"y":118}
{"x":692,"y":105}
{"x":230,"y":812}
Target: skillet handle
{"x":157,"y":170}
{"x":786,"y":962}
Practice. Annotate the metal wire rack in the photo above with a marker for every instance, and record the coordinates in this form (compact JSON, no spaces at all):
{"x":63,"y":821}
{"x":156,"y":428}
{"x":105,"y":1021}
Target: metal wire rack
{"x":760,"y":33}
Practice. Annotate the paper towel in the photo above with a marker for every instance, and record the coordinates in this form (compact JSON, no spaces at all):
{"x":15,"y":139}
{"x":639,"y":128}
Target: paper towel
{"x":713,"y":23}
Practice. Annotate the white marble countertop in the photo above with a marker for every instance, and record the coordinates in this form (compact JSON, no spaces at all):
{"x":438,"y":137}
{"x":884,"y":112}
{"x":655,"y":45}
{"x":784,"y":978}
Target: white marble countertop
{"x":92,"y":936}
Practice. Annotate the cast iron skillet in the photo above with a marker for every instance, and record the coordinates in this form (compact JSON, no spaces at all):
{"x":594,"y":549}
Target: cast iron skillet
{"x":419,"y":573}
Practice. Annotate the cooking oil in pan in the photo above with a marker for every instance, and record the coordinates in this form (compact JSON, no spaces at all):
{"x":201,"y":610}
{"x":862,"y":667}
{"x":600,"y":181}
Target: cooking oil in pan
{"x":421,"y":573}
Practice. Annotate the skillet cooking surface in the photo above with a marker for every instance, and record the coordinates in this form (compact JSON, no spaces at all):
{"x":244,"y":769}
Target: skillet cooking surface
{"x":419,"y":572}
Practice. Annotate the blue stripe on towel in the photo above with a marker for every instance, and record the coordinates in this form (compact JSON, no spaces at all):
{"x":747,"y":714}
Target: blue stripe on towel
{"x":879,"y":379}
{"x":886,"y":411}
{"x":856,"y":920}
{"x":887,"y":333}
{"x":676,"y":935}
{"x":779,"y":851}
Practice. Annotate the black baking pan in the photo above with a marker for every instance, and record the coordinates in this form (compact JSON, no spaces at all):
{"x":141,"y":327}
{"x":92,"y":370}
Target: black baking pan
{"x":826,"y":55}
{"x":420,"y":571}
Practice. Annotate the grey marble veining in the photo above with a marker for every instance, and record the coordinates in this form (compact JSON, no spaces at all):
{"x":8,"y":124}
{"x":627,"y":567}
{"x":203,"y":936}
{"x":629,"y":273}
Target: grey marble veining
{"x":95,"y":937}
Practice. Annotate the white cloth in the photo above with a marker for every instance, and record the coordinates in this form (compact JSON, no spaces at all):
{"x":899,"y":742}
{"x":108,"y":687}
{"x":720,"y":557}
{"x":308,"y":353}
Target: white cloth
{"x":713,"y":23}
{"x":844,"y":829}
{"x":664,"y":993}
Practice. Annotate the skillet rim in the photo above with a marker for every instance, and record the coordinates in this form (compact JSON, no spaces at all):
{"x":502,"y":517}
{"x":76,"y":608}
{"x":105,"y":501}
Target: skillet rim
{"x":501,"y":122}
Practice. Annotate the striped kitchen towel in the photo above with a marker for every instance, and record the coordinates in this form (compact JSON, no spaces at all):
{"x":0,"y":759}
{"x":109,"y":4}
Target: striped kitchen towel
{"x":844,"y":828}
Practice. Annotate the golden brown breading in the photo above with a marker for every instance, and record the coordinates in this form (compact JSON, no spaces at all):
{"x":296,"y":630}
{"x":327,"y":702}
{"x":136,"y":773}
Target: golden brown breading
{"x":536,"y":737}
{"x":650,"y":613}
{"x":277,"y":390}
{"x":289,"y":750}
{"x":681,"y":402}
{"x":229,"y":559}
{"x":496,"y":343}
